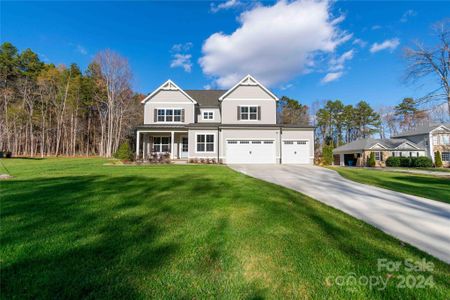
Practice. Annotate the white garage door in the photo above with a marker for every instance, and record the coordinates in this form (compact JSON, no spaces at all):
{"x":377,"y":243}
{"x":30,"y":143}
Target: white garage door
{"x":250,"y":151}
{"x":295,"y":152}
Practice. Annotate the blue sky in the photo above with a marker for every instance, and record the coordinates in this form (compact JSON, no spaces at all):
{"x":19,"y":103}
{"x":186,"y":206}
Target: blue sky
{"x":361,"y":50}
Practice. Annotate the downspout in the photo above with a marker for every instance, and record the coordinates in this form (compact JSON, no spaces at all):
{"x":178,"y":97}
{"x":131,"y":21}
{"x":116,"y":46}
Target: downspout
{"x":430,"y":146}
{"x":281,"y":132}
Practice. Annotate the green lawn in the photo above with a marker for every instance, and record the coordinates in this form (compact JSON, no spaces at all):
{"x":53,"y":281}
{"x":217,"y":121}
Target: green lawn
{"x":428,"y":186}
{"x":75,"y":228}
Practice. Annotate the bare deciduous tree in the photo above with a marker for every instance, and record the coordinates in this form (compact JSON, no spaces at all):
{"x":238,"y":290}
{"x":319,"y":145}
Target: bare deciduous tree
{"x":432,"y":61}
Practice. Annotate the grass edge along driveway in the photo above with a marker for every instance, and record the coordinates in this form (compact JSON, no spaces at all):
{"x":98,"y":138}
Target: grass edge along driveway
{"x":74,"y":228}
{"x":427,"y":186}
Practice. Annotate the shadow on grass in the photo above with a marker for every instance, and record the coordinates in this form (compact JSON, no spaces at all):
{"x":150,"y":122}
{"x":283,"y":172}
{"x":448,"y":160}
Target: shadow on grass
{"x":85,"y":236}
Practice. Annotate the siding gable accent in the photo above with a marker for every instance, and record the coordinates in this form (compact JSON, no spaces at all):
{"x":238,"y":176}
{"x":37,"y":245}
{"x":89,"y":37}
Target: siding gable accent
{"x":248,"y":81}
{"x":169,"y":85}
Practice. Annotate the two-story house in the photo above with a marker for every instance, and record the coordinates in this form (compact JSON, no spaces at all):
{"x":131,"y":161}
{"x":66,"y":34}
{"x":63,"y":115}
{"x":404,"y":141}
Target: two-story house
{"x":232,"y":126}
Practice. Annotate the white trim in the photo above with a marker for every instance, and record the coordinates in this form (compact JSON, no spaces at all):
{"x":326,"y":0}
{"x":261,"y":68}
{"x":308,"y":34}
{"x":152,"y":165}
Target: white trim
{"x":169,"y":85}
{"x":208,"y":111}
{"x":162,"y":131}
{"x":440,"y":127}
{"x":378,"y":145}
{"x":249,"y":105}
{"x":250,"y":139}
{"x":242,"y":82}
{"x":205,"y":133}
{"x":173,"y":115}
{"x":409,"y":143}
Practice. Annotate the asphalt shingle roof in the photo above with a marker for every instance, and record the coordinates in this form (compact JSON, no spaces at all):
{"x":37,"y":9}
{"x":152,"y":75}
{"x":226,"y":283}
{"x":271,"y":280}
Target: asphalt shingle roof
{"x":364,"y":144}
{"x":206,"y":98}
{"x":424,"y":129}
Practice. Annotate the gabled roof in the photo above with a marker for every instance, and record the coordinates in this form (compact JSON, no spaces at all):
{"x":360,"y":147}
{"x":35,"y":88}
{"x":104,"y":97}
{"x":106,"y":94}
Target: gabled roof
{"x":424,"y":129}
{"x":169,"y":85}
{"x":369,"y":143}
{"x":248,"y":80}
{"x":206,"y":98}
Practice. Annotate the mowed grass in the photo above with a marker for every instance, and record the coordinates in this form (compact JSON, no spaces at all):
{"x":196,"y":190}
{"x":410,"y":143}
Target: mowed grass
{"x":75,"y":228}
{"x":428,"y":186}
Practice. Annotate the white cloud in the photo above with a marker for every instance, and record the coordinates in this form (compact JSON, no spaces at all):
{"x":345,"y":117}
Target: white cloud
{"x":386,"y":45}
{"x":180,"y":57}
{"x":287,"y":86}
{"x":408,"y":14}
{"x":224,"y":5}
{"x":332,"y":77}
{"x":183,"y":61}
{"x":182,"y":47}
{"x":273,"y":43}
{"x":360,"y":43}
{"x":80,"y":49}
{"x":207,"y":87}
{"x":337,"y":64}
{"x":376,"y":27}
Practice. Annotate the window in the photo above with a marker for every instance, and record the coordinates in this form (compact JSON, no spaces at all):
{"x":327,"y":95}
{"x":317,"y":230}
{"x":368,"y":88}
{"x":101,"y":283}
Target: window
{"x":249,"y":112}
{"x":268,"y":142}
{"x":208,"y":115}
{"x":205,"y":143}
{"x":445,"y":139}
{"x":161,"y":144}
{"x":256,"y":142}
{"x":169,"y":115}
{"x":393,"y":153}
{"x":446,"y":156}
{"x":378,"y":156}
{"x":435,"y":140}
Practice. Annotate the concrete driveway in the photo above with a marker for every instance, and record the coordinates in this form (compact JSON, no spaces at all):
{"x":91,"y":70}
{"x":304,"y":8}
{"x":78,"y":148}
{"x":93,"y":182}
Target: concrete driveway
{"x":420,"y":222}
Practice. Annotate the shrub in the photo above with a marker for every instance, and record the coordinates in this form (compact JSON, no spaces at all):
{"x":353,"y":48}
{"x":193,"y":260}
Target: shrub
{"x":124,"y":152}
{"x":437,"y":159}
{"x":393,"y":161}
{"x":327,"y":154}
{"x":422,"y":162}
{"x":371,"y":161}
{"x":405,"y":162}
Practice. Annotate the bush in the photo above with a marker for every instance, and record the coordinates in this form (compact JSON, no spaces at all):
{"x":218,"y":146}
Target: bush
{"x":124,"y":152}
{"x":437,"y":159}
{"x":327,"y":154}
{"x":422,"y":162}
{"x":372,"y":162}
{"x":393,"y":161}
{"x":405,"y":162}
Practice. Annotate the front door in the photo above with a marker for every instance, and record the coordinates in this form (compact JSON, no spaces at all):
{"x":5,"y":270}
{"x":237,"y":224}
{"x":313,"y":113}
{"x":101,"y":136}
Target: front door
{"x":184,"y":147}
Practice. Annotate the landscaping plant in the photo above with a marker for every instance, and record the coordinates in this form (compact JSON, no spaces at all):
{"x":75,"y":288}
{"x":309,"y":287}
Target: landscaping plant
{"x":372,"y":160}
{"x":437,"y":159}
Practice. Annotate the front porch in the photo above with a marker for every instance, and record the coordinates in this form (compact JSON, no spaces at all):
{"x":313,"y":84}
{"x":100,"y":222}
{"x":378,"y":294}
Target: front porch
{"x":162,"y":142}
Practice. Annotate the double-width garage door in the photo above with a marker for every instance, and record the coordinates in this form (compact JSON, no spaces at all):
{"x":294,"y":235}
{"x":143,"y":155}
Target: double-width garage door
{"x":250,"y":151}
{"x":295,"y":152}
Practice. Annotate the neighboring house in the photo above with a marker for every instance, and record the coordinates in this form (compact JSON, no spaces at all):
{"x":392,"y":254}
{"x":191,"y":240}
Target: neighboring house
{"x":230,"y":126}
{"x":407,"y":144}
{"x":432,"y":138}
{"x":357,"y":153}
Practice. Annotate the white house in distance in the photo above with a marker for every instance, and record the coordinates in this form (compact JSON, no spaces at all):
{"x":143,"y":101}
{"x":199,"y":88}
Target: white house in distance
{"x":235,"y":126}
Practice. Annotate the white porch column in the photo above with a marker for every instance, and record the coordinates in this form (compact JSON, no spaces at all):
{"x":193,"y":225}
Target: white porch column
{"x":172,"y":136}
{"x":137,"y":144}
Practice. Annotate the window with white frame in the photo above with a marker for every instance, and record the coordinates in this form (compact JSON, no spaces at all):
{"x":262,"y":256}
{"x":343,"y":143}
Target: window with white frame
{"x":249,"y":112}
{"x":161,"y":144}
{"x":446,"y":156}
{"x":169,"y":115}
{"x":208,"y":115}
{"x":435,"y":140}
{"x":378,"y":156}
{"x":205,"y":142}
{"x":445,"y":139}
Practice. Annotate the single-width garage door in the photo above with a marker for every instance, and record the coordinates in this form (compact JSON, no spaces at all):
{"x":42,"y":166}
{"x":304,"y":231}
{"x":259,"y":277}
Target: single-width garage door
{"x":250,"y":151}
{"x":295,"y":152}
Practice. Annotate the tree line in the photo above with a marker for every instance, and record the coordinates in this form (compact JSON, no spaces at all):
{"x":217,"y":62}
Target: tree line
{"x":60,"y":110}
